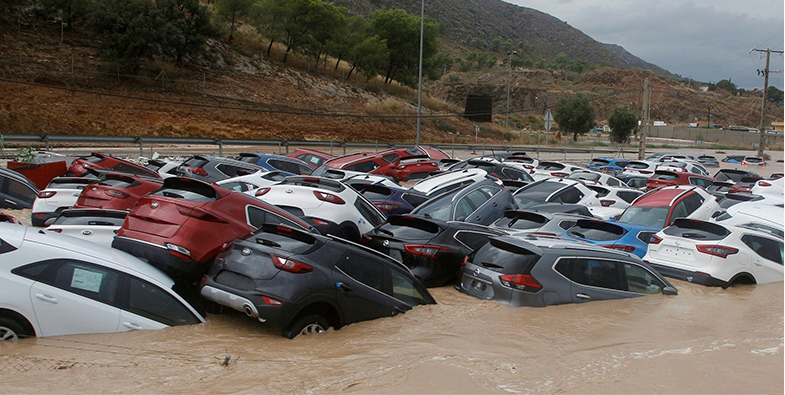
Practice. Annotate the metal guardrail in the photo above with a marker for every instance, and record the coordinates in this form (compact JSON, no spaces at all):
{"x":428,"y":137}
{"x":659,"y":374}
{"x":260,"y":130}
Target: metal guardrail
{"x":48,"y":141}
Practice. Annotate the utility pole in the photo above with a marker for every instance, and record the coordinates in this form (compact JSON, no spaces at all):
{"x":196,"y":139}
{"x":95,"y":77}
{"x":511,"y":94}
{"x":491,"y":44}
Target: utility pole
{"x":645,"y":125}
{"x":509,"y":78}
{"x":765,"y":73}
{"x":419,"y":83}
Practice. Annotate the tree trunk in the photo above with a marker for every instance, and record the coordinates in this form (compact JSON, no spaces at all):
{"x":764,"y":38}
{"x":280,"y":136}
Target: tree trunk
{"x":270,"y":47}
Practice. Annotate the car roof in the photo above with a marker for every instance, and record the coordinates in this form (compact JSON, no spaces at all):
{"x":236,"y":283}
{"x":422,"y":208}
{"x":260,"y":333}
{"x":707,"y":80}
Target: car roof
{"x":661,"y":197}
{"x":449,"y":177}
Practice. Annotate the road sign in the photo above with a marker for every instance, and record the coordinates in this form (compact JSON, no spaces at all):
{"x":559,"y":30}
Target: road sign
{"x":548,"y":120}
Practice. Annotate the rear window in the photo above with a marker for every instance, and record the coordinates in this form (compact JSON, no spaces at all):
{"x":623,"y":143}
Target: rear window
{"x":181,"y":188}
{"x":665,"y":175}
{"x":195,"y":162}
{"x":523,"y":220}
{"x":409,"y":228}
{"x":599,"y":162}
{"x":505,"y":258}
{"x":597,"y":231}
{"x":696,"y":230}
{"x":413,"y":199}
{"x":248,"y":159}
{"x":645,"y":216}
{"x":94,"y":159}
{"x":373,"y":192}
{"x":286,"y":240}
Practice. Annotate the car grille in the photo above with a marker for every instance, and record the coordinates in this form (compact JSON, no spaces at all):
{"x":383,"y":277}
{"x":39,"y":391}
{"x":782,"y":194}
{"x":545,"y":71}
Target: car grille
{"x":235,"y":280}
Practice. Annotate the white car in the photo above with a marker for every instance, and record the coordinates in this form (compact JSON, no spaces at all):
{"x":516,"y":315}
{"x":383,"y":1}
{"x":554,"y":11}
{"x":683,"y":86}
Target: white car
{"x":165,"y":168}
{"x":556,"y":190}
{"x":61,"y":193}
{"x":769,"y":188}
{"x":683,"y":166}
{"x":450,"y":180}
{"x":591,"y":177}
{"x":643,"y":168}
{"x":711,"y":254}
{"x":329,"y":205}
{"x":250,"y":183}
{"x":524,"y":162}
{"x":615,"y":197}
{"x":95,"y":225}
{"x":546,"y":169}
{"x":53,"y":285}
{"x":757,"y":214}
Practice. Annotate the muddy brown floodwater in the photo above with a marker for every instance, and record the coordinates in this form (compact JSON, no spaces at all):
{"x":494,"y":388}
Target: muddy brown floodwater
{"x":704,"y":340}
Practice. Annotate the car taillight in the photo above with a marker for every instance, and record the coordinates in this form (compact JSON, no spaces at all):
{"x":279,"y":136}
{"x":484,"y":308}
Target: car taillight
{"x":197,"y":170}
{"x":225,"y":246}
{"x":364,"y":239}
{"x":290,"y":265}
{"x":426,"y":250}
{"x":116,"y":193}
{"x":387,"y":206}
{"x":522,"y":282}
{"x":619,"y":247}
{"x":199,"y":213}
{"x":180,"y":252}
{"x":760,"y":184}
{"x":262,"y":191}
{"x":465,"y":260}
{"x":328,"y":197}
{"x":720,"y":251}
{"x":607,"y":203}
{"x":271,"y":301}
{"x":559,"y":174}
{"x":46,"y":194}
{"x":319,"y":222}
{"x":655,"y":239}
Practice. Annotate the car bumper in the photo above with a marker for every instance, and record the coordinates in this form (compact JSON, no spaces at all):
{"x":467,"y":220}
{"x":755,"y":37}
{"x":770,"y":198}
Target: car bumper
{"x":689,"y":275}
{"x":39,"y":219}
{"x":251,"y":305}
{"x":160,"y":257}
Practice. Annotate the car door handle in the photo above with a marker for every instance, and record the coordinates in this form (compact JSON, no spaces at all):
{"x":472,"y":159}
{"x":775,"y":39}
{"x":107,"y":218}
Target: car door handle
{"x":47,"y":298}
{"x":343,"y":286}
{"x":132,"y":326}
{"x":583,"y":296}
{"x":757,"y":263}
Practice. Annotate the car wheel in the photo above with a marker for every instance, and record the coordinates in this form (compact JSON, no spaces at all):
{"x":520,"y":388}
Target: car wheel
{"x":348,"y":232}
{"x":307,"y":325}
{"x":11,"y":330}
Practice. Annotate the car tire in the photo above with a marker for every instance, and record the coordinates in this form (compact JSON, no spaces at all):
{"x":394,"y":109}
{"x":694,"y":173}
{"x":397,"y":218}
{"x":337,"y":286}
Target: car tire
{"x":12,"y":330}
{"x":348,"y":232}
{"x":306,"y":325}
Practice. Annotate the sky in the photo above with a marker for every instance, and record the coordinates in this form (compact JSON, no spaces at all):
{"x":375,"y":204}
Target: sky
{"x":706,"y":40}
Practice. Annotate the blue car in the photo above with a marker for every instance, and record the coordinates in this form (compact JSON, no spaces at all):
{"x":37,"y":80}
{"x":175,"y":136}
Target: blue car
{"x":608,"y":165}
{"x":270,"y":162}
{"x":615,"y":235}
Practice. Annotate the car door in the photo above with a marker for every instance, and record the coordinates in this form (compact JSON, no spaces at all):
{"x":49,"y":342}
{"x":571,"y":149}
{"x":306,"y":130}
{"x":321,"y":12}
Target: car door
{"x":593,"y":278}
{"x":147,"y":306}
{"x":767,"y":260}
{"x":76,"y":297}
{"x":362,"y":282}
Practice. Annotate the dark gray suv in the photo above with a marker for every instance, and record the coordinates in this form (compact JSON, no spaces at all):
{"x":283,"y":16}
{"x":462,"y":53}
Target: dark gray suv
{"x":213,"y":168}
{"x":540,"y":271}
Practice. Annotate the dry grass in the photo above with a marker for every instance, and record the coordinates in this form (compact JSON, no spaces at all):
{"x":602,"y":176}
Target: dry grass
{"x":384,"y":107}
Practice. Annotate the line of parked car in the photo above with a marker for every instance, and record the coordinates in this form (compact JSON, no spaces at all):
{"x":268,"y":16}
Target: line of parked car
{"x":308,"y":242}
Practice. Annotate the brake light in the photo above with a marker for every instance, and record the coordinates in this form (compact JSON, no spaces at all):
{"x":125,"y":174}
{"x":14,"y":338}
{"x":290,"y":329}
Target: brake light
{"x":465,"y":260}
{"x":426,"y":250}
{"x":328,"y":197}
{"x":387,"y":206}
{"x":620,"y":247}
{"x":720,"y":251}
{"x":262,"y":191}
{"x":364,"y":239}
{"x":46,"y":194}
{"x":560,"y":174}
{"x":655,"y":239}
{"x":760,"y":184}
{"x":116,"y":193}
{"x":290,"y":265}
{"x":319,"y":222}
{"x":607,"y":202}
{"x":522,"y":282}
{"x":197,"y":170}
{"x":271,"y":301}
{"x":177,"y":251}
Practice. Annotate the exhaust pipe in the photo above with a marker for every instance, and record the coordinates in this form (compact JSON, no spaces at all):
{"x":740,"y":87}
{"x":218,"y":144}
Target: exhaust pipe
{"x":249,"y":311}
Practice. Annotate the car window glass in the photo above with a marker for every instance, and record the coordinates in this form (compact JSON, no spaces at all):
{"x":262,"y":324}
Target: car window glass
{"x":766,"y":248}
{"x":237,"y":186}
{"x":363,"y":269}
{"x":692,"y":202}
{"x":33,"y":271}
{"x":364,"y":166}
{"x":627,"y":196}
{"x":568,"y":195}
{"x":679,"y":211}
{"x":88,"y":280}
{"x":594,"y":272}
{"x":473,"y":240}
{"x":258,"y":216}
{"x":405,"y":290}
{"x":368,"y":212}
{"x":641,"y":280}
{"x":21,"y":191}
{"x":152,"y":302}
{"x":451,"y":187}
{"x":389,"y":158}
{"x":464,"y":208}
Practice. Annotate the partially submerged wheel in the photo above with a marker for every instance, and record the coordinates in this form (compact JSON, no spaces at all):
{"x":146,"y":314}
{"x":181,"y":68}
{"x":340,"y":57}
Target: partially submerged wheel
{"x":307,"y":325}
{"x":10,"y":330}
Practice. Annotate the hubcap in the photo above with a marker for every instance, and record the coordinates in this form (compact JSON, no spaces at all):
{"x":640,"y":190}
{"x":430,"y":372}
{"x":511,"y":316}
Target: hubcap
{"x":312,"y":328}
{"x":7,"y":334}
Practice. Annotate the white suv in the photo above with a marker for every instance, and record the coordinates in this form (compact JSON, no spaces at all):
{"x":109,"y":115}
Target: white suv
{"x":60,"y":194}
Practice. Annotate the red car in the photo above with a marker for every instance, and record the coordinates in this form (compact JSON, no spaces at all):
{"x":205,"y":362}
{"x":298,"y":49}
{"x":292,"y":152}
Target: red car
{"x":313,"y":158}
{"x":387,"y":163}
{"x":181,"y":227}
{"x":116,"y":192}
{"x":81,"y":166}
{"x":665,"y":178}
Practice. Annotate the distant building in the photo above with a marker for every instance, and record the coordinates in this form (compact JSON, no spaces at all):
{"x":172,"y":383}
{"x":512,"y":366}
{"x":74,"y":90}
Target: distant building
{"x":778,"y":125}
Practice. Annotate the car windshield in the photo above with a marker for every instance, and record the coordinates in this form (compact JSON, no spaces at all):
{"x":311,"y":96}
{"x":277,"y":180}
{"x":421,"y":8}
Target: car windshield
{"x":536,"y":194}
{"x":645,"y":216}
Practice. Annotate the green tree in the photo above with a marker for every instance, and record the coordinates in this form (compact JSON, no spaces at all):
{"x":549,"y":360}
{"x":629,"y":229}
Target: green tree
{"x":369,"y":56}
{"x":401,"y":31}
{"x":578,"y":66}
{"x":727,"y":85}
{"x":11,"y":9}
{"x":496,"y":43}
{"x":774,"y":94}
{"x":128,"y":31}
{"x":574,"y":115}
{"x":351,"y":33}
{"x":184,"y":26}
{"x":231,"y":10}
{"x":622,"y":122}
{"x":326,"y":21}
{"x":68,"y":10}
{"x":268,"y":19}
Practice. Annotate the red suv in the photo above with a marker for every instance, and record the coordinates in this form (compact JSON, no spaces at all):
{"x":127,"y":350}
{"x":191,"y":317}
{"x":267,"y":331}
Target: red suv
{"x":182,"y":226}
{"x":95,"y":161}
{"x":116,"y":192}
{"x":666,"y":178}
{"x":392,"y":163}
{"x":312,"y":157}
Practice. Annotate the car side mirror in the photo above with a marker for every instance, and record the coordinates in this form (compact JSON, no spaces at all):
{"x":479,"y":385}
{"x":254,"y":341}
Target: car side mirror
{"x":50,"y":221}
{"x":670,"y":291}
{"x":612,"y":219}
{"x":716,"y":214}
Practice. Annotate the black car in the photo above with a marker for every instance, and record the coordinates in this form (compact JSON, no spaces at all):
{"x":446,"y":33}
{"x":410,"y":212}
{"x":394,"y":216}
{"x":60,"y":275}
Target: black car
{"x":305,"y":283}
{"x":734,"y":175}
{"x":213,"y":168}
{"x":16,"y":191}
{"x":434,"y":250}
{"x":541,"y":270}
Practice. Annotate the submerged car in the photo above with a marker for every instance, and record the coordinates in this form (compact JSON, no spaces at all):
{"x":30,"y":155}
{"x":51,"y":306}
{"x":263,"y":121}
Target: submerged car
{"x":618,"y":236}
{"x":94,"y":225}
{"x":434,"y":250}
{"x":539,"y":271}
{"x":116,"y":191}
{"x":53,"y":285}
{"x":556,"y":190}
{"x":304,"y":283}
{"x":269,"y":162}
{"x":658,"y":208}
{"x":712,"y":254}
{"x":479,"y":203}
{"x":61,"y":193}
